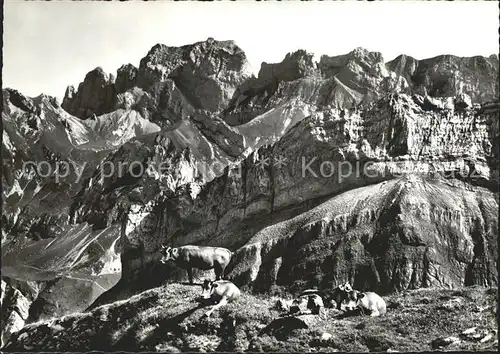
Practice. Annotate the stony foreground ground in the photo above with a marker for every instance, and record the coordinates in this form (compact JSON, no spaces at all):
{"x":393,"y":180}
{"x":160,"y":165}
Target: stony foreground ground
{"x":169,"y":318}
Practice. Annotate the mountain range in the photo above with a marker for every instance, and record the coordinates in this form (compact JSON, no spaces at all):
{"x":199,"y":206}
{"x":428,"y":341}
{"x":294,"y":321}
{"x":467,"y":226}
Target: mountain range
{"x":383,"y":174}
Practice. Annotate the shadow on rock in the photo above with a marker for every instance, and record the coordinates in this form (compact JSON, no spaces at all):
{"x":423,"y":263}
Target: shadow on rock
{"x":347,"y":314}
{"x":164,"y":326}
{"x":282,"y":327}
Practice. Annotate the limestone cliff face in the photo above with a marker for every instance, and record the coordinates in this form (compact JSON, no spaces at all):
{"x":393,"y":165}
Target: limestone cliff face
{"x":449,"y":75}
{"x":391,"y":236}
{"x":251,"y":207}
{"x":126,"y":78}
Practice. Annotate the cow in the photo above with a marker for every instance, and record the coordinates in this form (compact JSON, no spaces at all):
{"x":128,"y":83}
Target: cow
{"x":220,"y":291}
{"x":336,"y":295}
{"x":201,"y":257}
{"x":315,"y":304}
{"x":298,"y":305}
{"x":365,"y":301}
{"x":307,"y":304}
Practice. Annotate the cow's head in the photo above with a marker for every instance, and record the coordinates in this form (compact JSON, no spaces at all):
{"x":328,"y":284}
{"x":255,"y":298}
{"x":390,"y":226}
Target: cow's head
{"x":335,"y":297}
{"x":168,"y":253}
{"x":351,"y":302}
{"x":207,"y":288}
{"x":345,"y":287}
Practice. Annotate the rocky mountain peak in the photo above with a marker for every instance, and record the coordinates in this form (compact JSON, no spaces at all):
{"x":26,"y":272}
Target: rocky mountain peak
{"x":361,"y":53}
{"x":126,"y":77}
{"x":17,"y":99}
{"x":403,"y":65}
{"x":99,"y":75}
{"x":295,"y":65}
{"x":359,"y":59}
{"x":95,"y":95}
{"x":205,"y":73}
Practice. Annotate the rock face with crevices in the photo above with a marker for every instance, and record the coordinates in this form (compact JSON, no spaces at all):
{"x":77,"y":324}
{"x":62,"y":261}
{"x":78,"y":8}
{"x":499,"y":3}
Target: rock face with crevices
{"x":205,"y":74}
{"x":95,"y":95}
{"x":413,"y":156}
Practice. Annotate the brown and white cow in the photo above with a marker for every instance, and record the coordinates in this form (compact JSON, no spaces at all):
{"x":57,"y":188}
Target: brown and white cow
{"x":201,"y":257}
{"x":220,"y":291}
{"x":365,"y":301}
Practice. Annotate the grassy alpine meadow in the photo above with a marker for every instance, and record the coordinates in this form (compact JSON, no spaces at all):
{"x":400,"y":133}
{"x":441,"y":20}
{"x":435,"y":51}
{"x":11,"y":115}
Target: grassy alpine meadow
{"x":170,"y":318}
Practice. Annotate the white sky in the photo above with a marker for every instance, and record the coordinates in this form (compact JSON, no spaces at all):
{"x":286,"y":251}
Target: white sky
{"x":50,"y":45}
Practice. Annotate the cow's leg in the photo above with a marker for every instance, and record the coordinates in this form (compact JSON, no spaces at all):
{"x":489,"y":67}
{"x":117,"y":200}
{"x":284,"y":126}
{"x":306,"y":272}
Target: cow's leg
{"x":219,"y":271}
{"x":190,"y":275}
{"x":374,"y":313}
{"x":322,"y":313}
{"x":221,"y":303}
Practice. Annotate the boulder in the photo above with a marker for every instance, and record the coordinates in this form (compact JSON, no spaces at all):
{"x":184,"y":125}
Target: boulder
{"x":463,"y":101}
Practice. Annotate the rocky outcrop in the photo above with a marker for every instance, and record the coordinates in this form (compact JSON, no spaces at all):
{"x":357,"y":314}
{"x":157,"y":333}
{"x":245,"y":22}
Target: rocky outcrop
{"x":126,"y":78}
{"x":294,"y":66}
{"x":212,"y":72}
{"x":294,"y":79}
{"x":362,"y":73}
{"x":206,"y":73}
{"x":449,"y":75}
{"x":163,"y":103}
{"x":96,"y":95}
{"x":15,"y":310}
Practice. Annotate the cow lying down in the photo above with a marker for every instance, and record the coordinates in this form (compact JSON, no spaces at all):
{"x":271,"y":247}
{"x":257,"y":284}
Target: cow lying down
{"x":366,"y":302}
{"x":331,"y":297}
{"x":219,"y":292}
{"x":305,"y":304}
{"x":343,"y":297}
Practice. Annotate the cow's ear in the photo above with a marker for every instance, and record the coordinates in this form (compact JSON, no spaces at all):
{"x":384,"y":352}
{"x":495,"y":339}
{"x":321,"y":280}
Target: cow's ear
{"x":361,"y":295}
{"x":214,"y":285}
{"x":175,"y":251}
